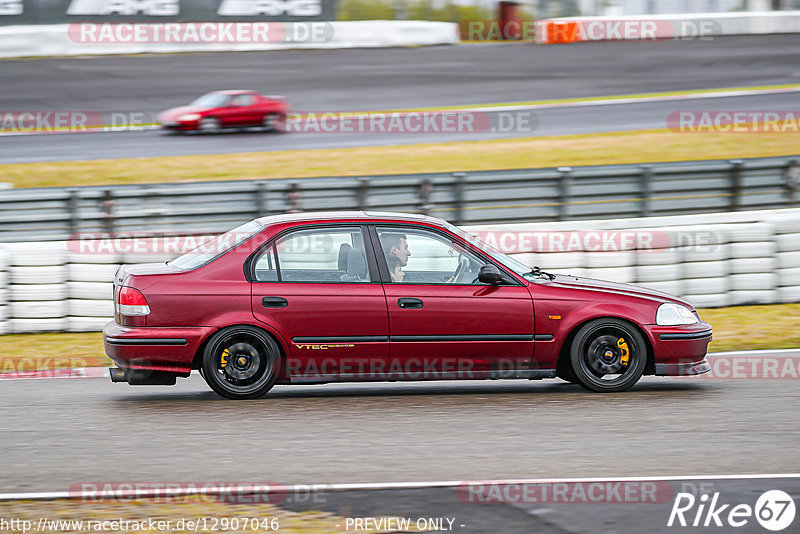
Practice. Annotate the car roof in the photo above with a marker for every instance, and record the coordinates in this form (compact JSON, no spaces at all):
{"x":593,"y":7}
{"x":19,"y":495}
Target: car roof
{"x":321,"y":216}
{"x":235,"y":92}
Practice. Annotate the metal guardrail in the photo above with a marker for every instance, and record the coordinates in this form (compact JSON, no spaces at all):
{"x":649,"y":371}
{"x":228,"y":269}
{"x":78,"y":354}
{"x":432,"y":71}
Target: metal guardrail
{"x":592,"y":192}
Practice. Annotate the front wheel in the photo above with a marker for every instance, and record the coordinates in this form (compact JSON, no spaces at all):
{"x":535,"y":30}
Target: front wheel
{"x":241,"y":362}
{"x":608,"y":355}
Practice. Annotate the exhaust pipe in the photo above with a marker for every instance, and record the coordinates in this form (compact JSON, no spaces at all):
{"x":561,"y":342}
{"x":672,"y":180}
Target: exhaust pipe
{"x":137,"y":377}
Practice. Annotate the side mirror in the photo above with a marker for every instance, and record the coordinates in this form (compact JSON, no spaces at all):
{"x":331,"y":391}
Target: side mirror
{"x":490,"y":274}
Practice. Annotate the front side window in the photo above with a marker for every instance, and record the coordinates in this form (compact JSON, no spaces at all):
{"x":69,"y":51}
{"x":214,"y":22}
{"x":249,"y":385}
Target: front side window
{"x":423,"y":257}
{"x":319,"y":255}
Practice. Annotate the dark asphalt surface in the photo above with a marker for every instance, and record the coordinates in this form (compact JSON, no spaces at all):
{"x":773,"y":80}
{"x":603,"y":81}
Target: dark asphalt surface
{"x":58,"y":432}
{"x":541,"y":122}
{"x":332,"y":80}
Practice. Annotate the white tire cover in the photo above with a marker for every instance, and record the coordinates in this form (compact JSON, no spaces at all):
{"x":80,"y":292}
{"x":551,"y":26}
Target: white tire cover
{"x":658,"y":273}
{"x":755,"y":249}
{"x":87,"y":324}
{"x":741,"y":232}
{"x":90,"y":290}
{"x":660,"y":256}
{"x":624,"y":275}
{"x":21,"y":326}
{"x":789,"y":294}
{"x":625,"y":258}
{"x":671,"y":287}
{"x":5,"y":259}
{"x":31,"y":292}
{"x":740,"y":298}
{"x":90,"y":308}
{"x":86,"y":257}
{"x":788,"y":242}
{"x":713,"y":300}
{"x":38,"y":309}
{"x":789,"y":277}
{"x":92,"y":272}
{"x":561,"y":260}
{"x":40,"y":253}
{"x":706,"y":269}
{"x":788,"y":260}
{"x":707,"y":253}
{"x":706,"y":286}
{"x":753,"y":281}
{"x":753,"y":265}
{"x":56,"y":274}
{"x":4,"y":313}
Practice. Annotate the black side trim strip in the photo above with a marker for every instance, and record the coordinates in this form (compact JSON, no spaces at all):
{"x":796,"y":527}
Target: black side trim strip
{"x":340,"y":339}
{"x":498,"y":337}
{"x":543,"y":337}
{"x":146,"y":341}
{"x":688,"y":335}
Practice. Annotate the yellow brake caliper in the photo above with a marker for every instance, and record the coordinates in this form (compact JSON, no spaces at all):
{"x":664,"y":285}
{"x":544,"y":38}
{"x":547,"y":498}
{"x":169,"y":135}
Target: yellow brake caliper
{"x":223,"y":360}
{"x":625,"y":353}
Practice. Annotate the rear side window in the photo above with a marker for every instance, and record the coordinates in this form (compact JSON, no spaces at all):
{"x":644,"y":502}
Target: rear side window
{"x":326,"y":255}
{"x":216,"y":246}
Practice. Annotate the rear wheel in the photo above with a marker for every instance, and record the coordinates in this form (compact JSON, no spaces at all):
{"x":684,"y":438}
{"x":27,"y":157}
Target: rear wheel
{"x":241,"y":362}
{"x":273,"y":122}
{"x":608,"y":355}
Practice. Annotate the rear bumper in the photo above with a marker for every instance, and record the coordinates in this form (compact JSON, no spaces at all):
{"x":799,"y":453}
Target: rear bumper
{"x":170,"y":350}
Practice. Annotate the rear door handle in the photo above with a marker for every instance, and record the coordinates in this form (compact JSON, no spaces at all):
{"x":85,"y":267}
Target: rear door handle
{"x":409,"y":303}
{"x":274,"y":302}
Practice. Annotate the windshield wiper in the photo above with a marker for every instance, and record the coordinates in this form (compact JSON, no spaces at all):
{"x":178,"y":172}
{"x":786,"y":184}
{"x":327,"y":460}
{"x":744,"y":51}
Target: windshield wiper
{"x":536,"y":271}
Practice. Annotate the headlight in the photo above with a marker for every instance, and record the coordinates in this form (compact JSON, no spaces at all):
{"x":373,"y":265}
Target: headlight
{"x":189,"y":117}
{"x":670,"y":314}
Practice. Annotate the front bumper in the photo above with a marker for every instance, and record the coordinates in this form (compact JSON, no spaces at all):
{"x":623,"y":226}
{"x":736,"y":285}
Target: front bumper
{"x":682,"y":369}
{"x":680,"y":350}
{"x":170,"y":350}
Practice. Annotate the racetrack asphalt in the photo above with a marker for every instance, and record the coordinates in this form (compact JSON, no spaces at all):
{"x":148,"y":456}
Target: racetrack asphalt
{"x":399,"y":78}
{"x":59,"y":432}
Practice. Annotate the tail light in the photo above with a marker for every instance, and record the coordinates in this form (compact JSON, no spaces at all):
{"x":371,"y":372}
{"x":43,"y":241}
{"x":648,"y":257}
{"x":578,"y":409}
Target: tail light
{"x":130,"y":301}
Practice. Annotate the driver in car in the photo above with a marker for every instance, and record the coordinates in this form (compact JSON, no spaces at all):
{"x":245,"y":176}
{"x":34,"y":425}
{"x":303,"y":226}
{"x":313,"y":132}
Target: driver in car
{"x":395,"y":248}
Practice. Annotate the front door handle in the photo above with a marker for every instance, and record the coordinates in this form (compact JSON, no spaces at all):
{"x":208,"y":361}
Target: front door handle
{"x":274,"y":302}
{"x":409,"y":303}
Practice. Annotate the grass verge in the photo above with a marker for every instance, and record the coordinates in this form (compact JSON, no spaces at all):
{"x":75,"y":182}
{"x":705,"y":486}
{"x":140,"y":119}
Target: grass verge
{"x":775,"y":326}
{"x":586,"y":149}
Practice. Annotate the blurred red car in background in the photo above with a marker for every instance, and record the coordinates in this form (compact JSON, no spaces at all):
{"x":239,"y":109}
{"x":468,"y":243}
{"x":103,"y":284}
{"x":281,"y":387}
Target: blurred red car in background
{"x":215,"y":111}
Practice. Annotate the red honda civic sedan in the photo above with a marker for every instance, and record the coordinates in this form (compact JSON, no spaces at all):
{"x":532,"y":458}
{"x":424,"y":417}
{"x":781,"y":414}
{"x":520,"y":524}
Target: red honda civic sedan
{"x":355,"y":296}
{"x":227,"y":109}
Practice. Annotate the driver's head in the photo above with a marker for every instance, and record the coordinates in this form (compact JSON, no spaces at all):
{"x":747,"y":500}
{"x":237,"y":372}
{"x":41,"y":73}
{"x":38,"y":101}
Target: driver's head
{"x":395,"y":244}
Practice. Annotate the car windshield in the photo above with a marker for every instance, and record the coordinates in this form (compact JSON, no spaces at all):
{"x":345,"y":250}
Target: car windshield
{"x":507,"y":261}
{"x":216,"y":246}
{"x":211,"y":100}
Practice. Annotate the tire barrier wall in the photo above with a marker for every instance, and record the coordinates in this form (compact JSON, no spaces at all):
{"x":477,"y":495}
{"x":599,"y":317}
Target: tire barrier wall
{"x":746,"y":258}
{"x":56,"y":40}
{"x":701,"y":26}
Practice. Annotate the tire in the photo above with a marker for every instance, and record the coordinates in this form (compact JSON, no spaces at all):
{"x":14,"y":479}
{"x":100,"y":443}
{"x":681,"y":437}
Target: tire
{"x":658,"y":256}
{"x":90,"y":290}
{"x":786,"y":260}
{"x":56,"y":274}
{"x":712,"y":253}
{"x":748,"y":297}
{"x":754,"y":249}
{"x":5,"y":259}
{"x":610,"y":259}
{"x":670,"y":287}
{"x":753,"y":282}
{"x":788,"y":242}
{"x":743,"y":232}
{"x":602,"y":336}
{"x":86,"y":324}
{"x":753,"y":265}
{"x":658,"y":273}
{"x":789,"y":294}
{"x":789,"y":277}
{"x":274,"y":122}
{"x":51,"y":309}
{"x":92,"y":272}
{"x":259,"y":368}
{"x":91,"y":308}
{"x":561,"y":260}
{"x":38,"y":254}
{"x":714,"y":300}
{"x":209,"y":125}
{"x":706,"y":286}
{"x":37,"y":292}
{"x":706,"y":269}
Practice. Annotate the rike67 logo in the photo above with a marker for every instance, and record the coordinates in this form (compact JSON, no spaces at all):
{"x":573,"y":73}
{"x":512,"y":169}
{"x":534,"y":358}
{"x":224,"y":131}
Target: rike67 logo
{"x":774,"y":510}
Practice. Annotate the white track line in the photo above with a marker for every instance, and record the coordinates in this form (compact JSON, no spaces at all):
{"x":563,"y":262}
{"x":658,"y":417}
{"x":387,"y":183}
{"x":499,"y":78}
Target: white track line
{"x":172,"y":492}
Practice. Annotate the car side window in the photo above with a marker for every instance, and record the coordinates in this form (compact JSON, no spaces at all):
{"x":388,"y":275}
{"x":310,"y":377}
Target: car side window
{"x":243,"y":100}
{"x":321,"y":255}
{"x":424,"y":257}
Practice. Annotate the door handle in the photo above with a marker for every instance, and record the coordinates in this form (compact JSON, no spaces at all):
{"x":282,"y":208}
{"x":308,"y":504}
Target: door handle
{"x":274,"y":302}
{"x":409,"y":303}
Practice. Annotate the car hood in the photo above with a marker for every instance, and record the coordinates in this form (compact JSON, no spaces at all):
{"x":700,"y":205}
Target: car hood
{"x":173,"y":113}
{"x":593,"y":284}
